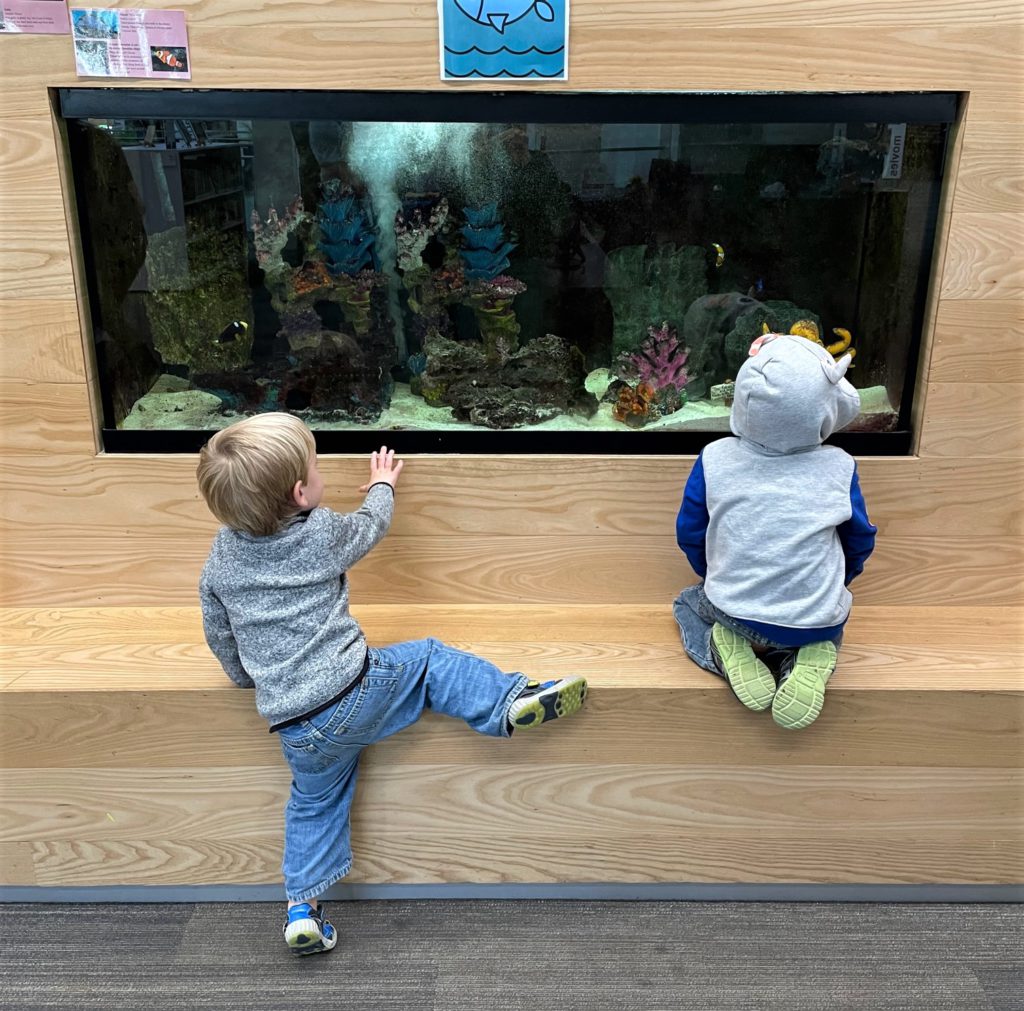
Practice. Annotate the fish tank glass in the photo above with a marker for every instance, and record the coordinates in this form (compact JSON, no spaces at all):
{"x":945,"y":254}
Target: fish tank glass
{"x":514,"y":272}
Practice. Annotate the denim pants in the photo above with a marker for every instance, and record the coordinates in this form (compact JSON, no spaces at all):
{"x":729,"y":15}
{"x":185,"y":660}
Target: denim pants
{"x":323,"y":751}
{"x":696,"y":615}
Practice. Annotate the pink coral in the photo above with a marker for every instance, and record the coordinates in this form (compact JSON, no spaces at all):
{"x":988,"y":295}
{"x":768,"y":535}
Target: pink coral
{"x":660,"y":361}
{"x":271,"y":237}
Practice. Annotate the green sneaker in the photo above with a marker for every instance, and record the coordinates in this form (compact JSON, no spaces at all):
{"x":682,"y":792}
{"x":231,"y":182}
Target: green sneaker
{"x":801,"y":693}
{"x":751,"y":681}
{"x":540,"y":702}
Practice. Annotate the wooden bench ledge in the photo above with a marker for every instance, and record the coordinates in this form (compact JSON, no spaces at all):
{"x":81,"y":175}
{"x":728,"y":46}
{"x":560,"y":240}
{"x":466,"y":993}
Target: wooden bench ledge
{"x":155,"y":649}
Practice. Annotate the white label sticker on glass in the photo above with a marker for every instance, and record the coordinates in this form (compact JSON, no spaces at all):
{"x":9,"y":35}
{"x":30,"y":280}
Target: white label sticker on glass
{"x":894,"y":159}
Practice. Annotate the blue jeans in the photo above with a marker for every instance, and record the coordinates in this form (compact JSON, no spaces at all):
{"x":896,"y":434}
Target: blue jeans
{"x":323,"y":751}
{"x":696,"y":615}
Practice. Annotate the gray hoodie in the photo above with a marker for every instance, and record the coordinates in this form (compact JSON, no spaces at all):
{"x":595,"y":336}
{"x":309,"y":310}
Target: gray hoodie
{"x":774,"y":497}
{"x":275,"y":609}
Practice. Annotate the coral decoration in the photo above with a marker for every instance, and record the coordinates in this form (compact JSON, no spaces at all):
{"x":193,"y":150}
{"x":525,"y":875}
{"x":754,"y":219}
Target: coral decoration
{"x":485,"y":253}
{"x":491,"y":301}
{"x":348,"y":238}
{"x":413,"y":234}
{"x":311,"y":276}
{"x":660,"y":361}
{"x":270,"y":237}
{"x":636,"y":406}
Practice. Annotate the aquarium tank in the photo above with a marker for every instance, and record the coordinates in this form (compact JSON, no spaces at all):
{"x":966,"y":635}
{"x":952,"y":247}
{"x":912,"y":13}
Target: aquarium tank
{"x":514,"y":272}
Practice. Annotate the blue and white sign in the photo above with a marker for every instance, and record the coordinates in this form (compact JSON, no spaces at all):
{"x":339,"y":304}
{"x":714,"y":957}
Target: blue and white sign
{"x":504,"y":40}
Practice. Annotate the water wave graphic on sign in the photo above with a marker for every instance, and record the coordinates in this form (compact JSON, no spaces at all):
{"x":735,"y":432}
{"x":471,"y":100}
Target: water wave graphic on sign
{"x":504,"y":39}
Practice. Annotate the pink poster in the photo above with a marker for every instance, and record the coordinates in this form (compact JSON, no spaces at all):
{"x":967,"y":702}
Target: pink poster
{"x":127,"y":42}
{"x":34,"y":17}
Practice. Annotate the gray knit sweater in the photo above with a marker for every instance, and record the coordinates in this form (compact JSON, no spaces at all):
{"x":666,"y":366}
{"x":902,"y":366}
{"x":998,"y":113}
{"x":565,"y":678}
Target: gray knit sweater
{"x":275,"y":609}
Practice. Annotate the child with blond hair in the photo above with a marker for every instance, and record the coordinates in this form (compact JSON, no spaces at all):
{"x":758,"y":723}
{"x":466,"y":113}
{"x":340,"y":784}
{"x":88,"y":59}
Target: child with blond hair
{"x":274,"y":596}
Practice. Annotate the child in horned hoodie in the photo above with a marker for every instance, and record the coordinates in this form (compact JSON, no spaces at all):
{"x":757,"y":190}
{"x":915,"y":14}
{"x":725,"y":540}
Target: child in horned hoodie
{"x":775,"y":525}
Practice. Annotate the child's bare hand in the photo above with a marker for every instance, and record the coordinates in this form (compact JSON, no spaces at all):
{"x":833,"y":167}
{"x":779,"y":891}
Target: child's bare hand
{"x":383,"y":467}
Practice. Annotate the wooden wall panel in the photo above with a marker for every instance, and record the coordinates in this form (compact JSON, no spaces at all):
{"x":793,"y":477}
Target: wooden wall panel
{"x":975,"y":420}
{"x":507,"y":498}
{"x":42,"y":340}
{"x":121,"y":533}
{"x":105,"y":570}
{"x":889,"y":824}
{"x":985,"y":257}
{"x":978,"y":341}
{"x":991,"y":171}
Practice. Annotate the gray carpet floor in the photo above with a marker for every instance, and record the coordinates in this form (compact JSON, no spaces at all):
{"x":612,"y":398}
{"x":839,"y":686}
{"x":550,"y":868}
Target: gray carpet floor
{"x":489,"y":955}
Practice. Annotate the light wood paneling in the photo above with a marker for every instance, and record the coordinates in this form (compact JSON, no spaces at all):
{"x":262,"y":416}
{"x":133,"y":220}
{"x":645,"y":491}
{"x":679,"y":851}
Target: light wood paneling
{"x":879,"y":819}
{"x":908,"y":776}
{"x":991,"y":172}
{"x":623,"y":645}
{"x":978,"y":341}
{"x":37,"y":419}
{"x":975,"y":420}
{"x":482,"y":857}
{"x":941,"y":569}
{"x":464,"y":497}
{"x":682,"y":720}
{"x":233,"y":803}
{"x":42,"y":341}
{"x":985,"y":256}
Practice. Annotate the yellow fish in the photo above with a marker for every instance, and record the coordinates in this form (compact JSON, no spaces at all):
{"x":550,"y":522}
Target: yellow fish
{"x":719,"y":254}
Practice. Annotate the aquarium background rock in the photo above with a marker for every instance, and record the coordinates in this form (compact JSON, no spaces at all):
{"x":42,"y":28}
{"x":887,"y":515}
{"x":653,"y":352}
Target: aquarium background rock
{"x":198,"y":284}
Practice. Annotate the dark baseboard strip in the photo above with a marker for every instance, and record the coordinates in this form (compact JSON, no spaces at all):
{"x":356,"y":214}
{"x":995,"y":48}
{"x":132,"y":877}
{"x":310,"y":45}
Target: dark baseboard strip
{"x":587,"y":892}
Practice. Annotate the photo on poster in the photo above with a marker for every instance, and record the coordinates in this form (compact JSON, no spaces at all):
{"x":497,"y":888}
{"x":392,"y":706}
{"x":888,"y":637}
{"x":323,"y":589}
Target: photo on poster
{"x":95,"y":23}
{"x":92,"y":58}
{"x":169,"y":59}
{"x":504,"y":39}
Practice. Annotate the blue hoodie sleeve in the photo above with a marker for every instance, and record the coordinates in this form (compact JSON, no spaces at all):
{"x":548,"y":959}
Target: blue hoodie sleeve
{"x":857,"y":534}
{"x":692,"y":521}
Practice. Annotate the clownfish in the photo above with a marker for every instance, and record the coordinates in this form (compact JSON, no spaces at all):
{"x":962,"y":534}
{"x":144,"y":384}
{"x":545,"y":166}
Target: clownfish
{"x":234,"y":329}
{"x":167,"y":57}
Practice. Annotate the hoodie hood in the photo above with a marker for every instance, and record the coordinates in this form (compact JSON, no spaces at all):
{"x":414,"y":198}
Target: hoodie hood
{"x":791,"y":395}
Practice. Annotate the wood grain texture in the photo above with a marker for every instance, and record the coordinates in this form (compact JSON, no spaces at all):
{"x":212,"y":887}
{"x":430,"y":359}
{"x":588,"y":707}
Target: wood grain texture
{"x":41,"y":341}
{"x":697,"y":819}
{"x":680,"y":723}
{"x":462,"y":497}
{"x":109,"y":569}
{"x":719,"y":856}
{"x":975,"y":419}
{"x":610,"y":46}
{"x":991,"y":171}
{"x":151,"y":651}
{"x":985,"y":256}
{"x":41,"y":418}
{"x":52,"y":628}
{"x":978,"y":341}
{"x":97,"y":805}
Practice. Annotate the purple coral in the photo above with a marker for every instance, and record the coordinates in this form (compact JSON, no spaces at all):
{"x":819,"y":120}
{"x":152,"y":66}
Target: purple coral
{"x":660,"y":361}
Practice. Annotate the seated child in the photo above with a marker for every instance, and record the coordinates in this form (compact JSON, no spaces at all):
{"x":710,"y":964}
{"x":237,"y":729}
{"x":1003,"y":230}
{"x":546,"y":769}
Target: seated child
{"x":775,"y":525}
{"x":275,"y":612}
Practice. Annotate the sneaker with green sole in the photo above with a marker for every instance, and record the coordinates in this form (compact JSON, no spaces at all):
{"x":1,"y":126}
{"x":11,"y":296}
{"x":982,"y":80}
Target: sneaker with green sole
{"x":750,"y":679}
{"x":801,"y":692}
{"x":540,"y":702}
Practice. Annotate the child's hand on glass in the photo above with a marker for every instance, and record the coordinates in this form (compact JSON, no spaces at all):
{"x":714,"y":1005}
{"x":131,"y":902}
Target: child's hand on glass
{"x":383,"y":467}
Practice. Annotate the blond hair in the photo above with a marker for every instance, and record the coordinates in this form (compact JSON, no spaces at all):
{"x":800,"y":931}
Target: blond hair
{"x":247,"y":471}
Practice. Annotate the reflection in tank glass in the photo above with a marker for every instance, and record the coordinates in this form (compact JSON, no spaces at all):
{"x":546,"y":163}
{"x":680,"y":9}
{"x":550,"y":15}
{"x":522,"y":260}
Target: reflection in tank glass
{"x":517,"y":276}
